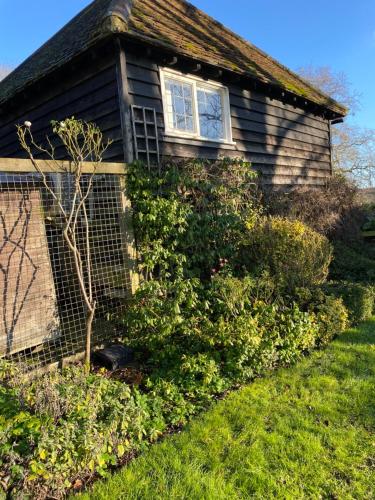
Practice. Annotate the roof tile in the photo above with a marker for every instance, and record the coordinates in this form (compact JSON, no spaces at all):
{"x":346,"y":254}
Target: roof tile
{"x":174,"y":24}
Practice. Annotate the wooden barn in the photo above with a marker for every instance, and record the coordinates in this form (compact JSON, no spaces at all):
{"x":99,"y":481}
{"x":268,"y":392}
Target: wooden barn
{"x":160,"y":77}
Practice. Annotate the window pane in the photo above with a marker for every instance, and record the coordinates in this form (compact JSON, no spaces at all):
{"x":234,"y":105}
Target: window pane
{"x":210,"y":109}
{"x":180,"y":105}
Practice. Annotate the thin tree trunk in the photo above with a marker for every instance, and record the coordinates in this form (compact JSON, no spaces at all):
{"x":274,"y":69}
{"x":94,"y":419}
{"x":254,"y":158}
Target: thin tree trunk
{"x":82,"y":141}
{"x":89,"y":322}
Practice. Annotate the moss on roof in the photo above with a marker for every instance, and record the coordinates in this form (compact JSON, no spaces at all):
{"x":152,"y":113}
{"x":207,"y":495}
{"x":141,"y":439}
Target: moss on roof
{"x":173,"y":24}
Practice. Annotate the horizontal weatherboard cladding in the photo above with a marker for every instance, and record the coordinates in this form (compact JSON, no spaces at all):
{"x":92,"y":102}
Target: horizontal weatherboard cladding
{"x":89,"y":93}
{"x":286,"y":145}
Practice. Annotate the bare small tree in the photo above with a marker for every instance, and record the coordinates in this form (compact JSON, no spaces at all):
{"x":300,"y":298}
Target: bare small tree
{"x":83,"y":142}
{"x":353,"y":146}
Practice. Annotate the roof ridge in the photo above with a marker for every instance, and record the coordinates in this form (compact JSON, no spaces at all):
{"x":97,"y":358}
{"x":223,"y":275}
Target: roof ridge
{"x":120,"y":8}
{"x":116,"y":18}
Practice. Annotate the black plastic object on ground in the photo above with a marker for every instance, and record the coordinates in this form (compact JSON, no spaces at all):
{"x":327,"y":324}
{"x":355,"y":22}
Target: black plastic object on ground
{"x":114,"y":357}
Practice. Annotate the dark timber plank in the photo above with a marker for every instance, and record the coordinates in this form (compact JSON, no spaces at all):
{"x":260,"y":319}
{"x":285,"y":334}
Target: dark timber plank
{"x":281,"y":123}
{"x":98,"y":85}
{"x":264,"y":129}
{"x":256,"y":96}
{"x":261,"y":138}
{"x":258,"y":148}
{"x":107,"y":123}
{"x":91,"y":108}
{"x":57,"y":93}
{"x":246,"y":105}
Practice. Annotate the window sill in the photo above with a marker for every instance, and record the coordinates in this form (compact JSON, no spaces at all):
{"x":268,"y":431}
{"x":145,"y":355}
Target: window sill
{"x":199,"y":141}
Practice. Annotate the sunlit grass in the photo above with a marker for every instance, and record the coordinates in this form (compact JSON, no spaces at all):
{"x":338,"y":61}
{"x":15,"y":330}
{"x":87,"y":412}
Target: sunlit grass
{"x":302,"y":432}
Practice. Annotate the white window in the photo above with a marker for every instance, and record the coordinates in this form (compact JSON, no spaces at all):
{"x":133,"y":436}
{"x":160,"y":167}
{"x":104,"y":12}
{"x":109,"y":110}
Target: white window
{"x":195,"y":108}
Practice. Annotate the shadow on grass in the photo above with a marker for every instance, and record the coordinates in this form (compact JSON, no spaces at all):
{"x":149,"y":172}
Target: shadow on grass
{"x":362,"y":334}
{"x":302,"y":432}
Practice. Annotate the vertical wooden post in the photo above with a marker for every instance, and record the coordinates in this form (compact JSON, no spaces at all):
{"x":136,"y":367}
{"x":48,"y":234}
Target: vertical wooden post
{"x":127,"y":236}
{"x":126,"y":215}
{"x":124,"y":101}
{"x":330,"y":146}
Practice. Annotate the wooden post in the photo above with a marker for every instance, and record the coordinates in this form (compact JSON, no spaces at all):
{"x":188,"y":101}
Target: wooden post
{"x":126,"y":216}
{"x":124,"y":100}
{"x":127,"y":236}
{"x":330,"y":147}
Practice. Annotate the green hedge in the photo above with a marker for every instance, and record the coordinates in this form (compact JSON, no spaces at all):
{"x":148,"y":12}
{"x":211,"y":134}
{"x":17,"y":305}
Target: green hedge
{"x":351,"y":265}
{"x":359,"y":298}
{"x":290,"y":251}
{"x":193,"y":344}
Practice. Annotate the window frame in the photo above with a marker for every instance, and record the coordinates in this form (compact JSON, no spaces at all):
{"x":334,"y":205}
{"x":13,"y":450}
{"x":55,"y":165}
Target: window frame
{"x":196,"y":82}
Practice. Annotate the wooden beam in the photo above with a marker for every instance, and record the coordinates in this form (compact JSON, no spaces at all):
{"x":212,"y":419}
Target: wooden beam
{"x":216,"y":73}
{"x":187,"y":66}
{"x":171,"y":60}
{"x":125,"y":106}
{"x":126,"y":217}
{"x":234,"y":77}
{"x":24,"y":166}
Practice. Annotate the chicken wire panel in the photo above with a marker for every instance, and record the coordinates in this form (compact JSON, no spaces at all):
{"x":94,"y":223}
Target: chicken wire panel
{"x":42,"y":312}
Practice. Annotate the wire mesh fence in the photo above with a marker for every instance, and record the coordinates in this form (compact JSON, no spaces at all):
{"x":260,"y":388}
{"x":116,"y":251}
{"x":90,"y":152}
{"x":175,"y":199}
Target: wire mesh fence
{"x":42,"y":314}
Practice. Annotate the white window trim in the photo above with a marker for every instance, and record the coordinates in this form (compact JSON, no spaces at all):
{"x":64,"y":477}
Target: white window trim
{"x":194,"y":81}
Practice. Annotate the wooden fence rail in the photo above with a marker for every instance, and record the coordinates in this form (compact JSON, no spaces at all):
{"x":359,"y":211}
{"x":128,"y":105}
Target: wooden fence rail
{"x":17,"y":165}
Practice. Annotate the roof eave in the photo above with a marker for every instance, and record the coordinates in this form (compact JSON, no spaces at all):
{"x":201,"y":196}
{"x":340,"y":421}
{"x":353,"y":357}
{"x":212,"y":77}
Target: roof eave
{"x":338,"y":110}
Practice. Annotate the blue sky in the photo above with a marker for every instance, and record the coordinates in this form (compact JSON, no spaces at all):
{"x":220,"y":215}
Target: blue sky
{"x":336,"y":33}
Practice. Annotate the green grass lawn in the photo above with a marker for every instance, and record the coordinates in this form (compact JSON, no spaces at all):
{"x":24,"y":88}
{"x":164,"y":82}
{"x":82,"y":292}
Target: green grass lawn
{"x":302,"y":432}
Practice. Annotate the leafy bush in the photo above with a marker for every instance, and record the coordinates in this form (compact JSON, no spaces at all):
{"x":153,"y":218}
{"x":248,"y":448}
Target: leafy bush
{"x":358,"y":298}
{"x":66,"y":426}
{"x":332,"y":319}
{"x":293,"y":254}
{"x":330,"y":312}
{"x":189,"y":215}
{"x":221,"y":336}
{"x":352,"y":264}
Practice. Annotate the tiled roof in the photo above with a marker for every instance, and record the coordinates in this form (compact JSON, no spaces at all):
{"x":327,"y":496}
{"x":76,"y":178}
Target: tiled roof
{"x":173,"y":24}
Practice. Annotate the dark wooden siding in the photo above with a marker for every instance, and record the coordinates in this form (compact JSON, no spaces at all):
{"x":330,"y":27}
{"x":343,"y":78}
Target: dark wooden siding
{"x":286,"y":145}
{"x":89,"y":93}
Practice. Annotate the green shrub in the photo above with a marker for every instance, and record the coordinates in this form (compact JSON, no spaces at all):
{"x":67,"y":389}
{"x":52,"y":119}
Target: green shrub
{"x":293,"y":254}
{"x":332,"y":319}
{"x":351,"y":264}
{"x":189,"y":216}
{"x":358,"y":298}
{"x":233,"y":335}
{"x":68,"y":425}
{"x":330,"y":312}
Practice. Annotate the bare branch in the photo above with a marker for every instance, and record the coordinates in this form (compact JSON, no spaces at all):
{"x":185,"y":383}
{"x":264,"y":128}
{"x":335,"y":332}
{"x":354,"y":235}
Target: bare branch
{"x":353,"y":147}
{"x":82,"y":142}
